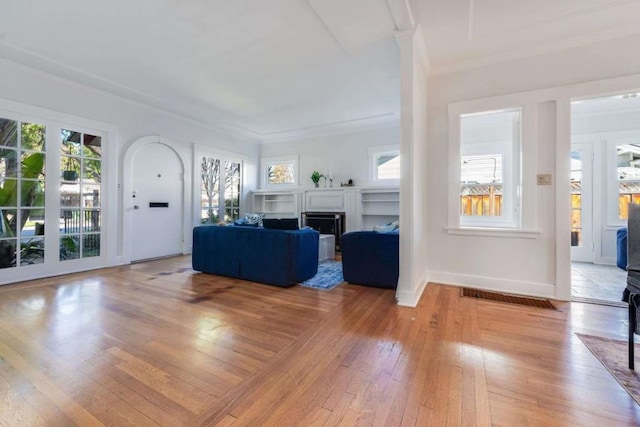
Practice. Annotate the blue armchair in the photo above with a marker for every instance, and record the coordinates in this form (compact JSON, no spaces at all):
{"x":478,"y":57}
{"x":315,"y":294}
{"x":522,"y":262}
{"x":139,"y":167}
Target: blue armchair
{"x":370,"y":258}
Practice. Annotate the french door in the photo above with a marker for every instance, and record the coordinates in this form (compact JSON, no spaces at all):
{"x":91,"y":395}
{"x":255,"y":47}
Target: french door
{"x":582,"y":202}
{"x":50,"y":198}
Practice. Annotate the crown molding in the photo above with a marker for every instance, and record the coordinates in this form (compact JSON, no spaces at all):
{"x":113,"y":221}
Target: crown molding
{"x":401,"y":14}
{"x":379,"y":121}
{"x":45,"y":66}
{"x":416,"y":38}
{"x":421,"y":49}
{"x":551,"y":47}
{"x":42,"y":65}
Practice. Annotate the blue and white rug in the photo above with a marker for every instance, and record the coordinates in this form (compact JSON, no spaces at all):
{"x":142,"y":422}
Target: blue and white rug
{"x":328,"y":277}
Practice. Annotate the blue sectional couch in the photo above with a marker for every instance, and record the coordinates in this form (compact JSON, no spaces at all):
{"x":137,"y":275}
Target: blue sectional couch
{"x":275,"y":257}
{"x":371,"y":258}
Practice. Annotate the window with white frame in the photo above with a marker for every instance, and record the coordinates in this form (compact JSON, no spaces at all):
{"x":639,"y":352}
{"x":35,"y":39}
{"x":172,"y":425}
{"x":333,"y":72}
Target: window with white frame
{"x":490,"y":169}
{"x":385,"y":164}
{"x":279,"y":171}
{"x":220,"y":189}
{"x":628,"y":177}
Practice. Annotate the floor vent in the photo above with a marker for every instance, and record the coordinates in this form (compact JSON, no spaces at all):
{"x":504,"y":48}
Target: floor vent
{"x":511,"y":299}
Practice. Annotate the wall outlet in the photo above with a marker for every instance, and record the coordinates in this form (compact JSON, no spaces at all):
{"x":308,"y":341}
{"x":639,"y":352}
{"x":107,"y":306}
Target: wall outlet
{"x":544,"y":179}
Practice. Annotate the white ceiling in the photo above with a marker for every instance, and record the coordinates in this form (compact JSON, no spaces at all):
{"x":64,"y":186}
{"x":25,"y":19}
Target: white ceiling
{"x":284,"y":68}
{"x":462,"y":34}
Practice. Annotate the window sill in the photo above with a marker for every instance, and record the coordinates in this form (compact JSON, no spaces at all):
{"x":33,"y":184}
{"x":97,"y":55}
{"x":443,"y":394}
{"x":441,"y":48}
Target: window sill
{"x":493,"y":232}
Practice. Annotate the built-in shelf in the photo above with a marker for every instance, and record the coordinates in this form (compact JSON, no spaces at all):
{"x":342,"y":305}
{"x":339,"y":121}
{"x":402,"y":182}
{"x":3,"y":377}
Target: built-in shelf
{"x":379,"y":206}
{"x":363,"y":207}
{"x":277,"y":204}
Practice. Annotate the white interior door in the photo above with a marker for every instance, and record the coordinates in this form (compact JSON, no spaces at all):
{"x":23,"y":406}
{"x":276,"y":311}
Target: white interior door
{"x":157,"y":198}
{"x":582,"y":202}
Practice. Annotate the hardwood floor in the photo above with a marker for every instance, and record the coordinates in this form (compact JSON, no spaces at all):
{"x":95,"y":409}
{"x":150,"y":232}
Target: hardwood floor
{"x":158,"y":344}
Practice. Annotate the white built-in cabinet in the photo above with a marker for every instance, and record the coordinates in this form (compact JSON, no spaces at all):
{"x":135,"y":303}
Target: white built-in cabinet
{"x":379,"y":206}
{"x":363,"y":207}
{"x":277,"y":204}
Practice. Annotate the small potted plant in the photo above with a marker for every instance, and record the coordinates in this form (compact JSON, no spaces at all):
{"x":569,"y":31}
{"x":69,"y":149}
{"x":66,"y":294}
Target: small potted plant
{"x":315,"y":177}
{"x":71,"y":174}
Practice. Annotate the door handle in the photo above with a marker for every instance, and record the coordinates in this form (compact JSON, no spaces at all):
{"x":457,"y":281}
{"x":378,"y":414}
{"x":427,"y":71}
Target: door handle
{"x":136,"y":207}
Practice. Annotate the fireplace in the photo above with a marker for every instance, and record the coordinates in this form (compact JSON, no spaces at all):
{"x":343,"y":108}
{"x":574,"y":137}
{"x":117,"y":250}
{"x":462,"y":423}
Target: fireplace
{"x":326,"y":223}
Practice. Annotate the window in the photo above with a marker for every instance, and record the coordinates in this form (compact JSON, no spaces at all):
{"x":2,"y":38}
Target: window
{"x":385,"y":165}
{"x":22,"y":184}
{"x":490,"y":169}
{"x":628,"y":175}
{"x":80,"y":191}
{"x":278,"y":171}
{"x":220,"y":190}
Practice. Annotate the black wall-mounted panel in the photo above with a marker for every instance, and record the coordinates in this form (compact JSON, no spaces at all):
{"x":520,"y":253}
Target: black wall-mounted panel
{"x":158,"y":204}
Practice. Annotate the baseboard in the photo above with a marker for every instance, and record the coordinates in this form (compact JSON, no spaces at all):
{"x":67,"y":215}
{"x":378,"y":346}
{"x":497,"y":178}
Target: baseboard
{"x":411,"y":298}
{"x":519,"y":287}
{"x":604,"y":261}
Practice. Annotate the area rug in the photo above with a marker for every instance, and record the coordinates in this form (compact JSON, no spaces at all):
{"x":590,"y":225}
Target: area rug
{"x":613,"y":354}
{"x":328,"y":277}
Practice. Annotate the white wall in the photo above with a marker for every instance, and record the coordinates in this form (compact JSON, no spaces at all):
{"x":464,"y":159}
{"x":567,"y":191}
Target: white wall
{"x":131,"y":121}
{"x":346,"y":155}
{"x":522,"y":265}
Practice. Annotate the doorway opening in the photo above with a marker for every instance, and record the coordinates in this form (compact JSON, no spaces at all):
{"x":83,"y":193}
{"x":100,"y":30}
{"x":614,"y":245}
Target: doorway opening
{"x":605,"y":179}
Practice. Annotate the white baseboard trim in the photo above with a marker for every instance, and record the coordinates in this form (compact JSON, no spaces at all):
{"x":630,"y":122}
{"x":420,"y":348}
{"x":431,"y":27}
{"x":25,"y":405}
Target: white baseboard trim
{"x":411,"y":298}
{"x":519,"y":287}
{"x":605,"y":261}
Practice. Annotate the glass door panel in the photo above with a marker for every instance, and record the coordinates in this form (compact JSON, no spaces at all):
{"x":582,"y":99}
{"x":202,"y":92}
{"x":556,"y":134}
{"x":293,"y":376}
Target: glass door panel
{"x":22,"y":186}
{"x":80,"y":190}
{"x":581,"y":204}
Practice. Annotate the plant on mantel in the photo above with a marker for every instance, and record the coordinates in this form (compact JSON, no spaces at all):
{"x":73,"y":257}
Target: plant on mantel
{"x":315,"y":177}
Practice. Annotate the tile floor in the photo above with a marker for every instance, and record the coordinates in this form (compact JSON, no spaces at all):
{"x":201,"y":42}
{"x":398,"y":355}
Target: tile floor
{"x":598,"y":282}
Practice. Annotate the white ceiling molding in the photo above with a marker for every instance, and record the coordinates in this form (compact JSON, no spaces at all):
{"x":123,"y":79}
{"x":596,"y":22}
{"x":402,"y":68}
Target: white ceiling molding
{"x":471,"y":18}
{"x":559,"y":17}
{"x":374,"y":122}
{"x":555,"y":46}
{"x":40,"y":64}
{"x":402,"y":15}
{"x":465,"y":34}
{"x":421,"y":48}
{"x":238,"y":132}
{"x":417,"y":39}
{"x":349,"y":26}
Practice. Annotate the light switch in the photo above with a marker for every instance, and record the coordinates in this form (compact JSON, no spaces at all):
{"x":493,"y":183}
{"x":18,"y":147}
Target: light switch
{"x":544,"y":179}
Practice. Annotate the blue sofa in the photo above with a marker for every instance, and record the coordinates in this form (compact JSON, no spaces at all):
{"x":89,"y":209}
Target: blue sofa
{"x":621,"y":245}
{"x":371,"y":258}
{"x":275,"y":257}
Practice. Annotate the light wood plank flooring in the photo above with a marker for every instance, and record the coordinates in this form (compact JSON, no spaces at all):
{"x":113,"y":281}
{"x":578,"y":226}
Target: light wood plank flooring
{"x":158,"y":344}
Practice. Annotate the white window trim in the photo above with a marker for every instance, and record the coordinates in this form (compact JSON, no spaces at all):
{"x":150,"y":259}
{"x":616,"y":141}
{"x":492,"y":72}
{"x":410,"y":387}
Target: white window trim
{"x":526,"y":211}
{"x":374,"y":153}
{"x":265,"y":162}
{"x":613,"y":140}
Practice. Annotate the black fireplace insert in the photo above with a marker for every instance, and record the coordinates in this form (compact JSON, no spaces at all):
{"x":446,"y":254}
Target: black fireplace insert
{"x":326,"y":223}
